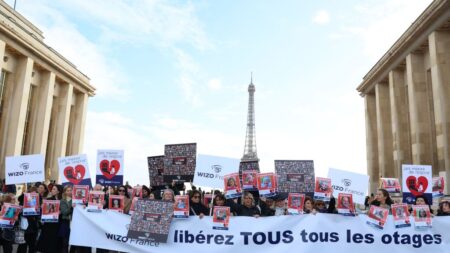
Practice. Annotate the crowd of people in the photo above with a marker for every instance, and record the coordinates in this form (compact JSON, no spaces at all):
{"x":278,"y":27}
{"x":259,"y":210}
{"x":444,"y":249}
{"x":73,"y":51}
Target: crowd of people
{"x":54,"y":237}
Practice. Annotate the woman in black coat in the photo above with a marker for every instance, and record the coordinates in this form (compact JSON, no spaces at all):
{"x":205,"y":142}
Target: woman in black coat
{"x":195,"y":205}
{"x":48,"y":241}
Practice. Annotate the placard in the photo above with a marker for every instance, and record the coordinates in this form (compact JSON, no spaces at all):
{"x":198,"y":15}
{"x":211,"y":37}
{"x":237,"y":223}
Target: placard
{"x":295,"y":176}
{"x":31,"y":205}
{"x":249,"y":180}
{"x":179,"y":162}
{"x":181,"y":207}
{"x":210,"y":170}
{"x":9,"y":214}
{"x":221,"y":217}
{"x":80,"y":194}
{"x":422,"y":216}
{"x":50,"y":211}
{"x":207,"y":199}
{"x":116,"y":203}
{"x":417,"y":181}
{"x":156,"y":170}
{"x":391,"y":185}
{"x":267,"y":184}
{"x":349,"y":182}
{"x":109,"y":167}
{"x":323,"y":189}
{"x":24,"y":169}
{"x":296,"y":203}
{"x":74,"y":170}
{"x":400,"y":215}
{"x":345,"y":204}
{"x":151,"y":220}
{"x":232,"y":186}
{"x":96,"y":200}
{"x":438,"y":187}
{"x":377,"y":216}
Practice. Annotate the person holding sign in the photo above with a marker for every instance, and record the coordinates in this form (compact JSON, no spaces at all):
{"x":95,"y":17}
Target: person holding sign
{"x":122,"y":191}
{"x":31,"y":211}
{"x":66,"y":210}
{"x":49,"y":231}
{"x":248,"y":206}
{"x":383,"y":199}
{"x":8,"y":218}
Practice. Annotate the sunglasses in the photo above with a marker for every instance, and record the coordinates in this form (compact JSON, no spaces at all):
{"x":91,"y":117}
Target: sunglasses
{"x":121,"y":190}
{"x":196,"y":197}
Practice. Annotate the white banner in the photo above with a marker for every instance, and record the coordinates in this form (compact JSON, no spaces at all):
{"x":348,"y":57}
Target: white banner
{"x":299,"y":233}
{"x":74,"y":170}
{"x":210,"y":170}
{"x":24,"y":169}
{"x":349,"y":182}
{"x":417,"y":180}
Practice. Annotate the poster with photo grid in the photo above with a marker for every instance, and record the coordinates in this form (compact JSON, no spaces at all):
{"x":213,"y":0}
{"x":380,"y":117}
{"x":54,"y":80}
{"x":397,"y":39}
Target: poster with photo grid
{"x":295,"y":176}
{"x":151,"y":220}
{"x":156,"y":170}
{"x":179,"y":162}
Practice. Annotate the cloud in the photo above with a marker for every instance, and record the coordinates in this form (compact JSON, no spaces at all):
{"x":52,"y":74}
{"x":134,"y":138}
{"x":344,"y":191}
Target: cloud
{"x":382,"y":23}
{"x":114,"y":131}
{"x":321,"y":17}
{"x":161,"y":22}
{"x":215,"y":84}
{"x":89,"y":57}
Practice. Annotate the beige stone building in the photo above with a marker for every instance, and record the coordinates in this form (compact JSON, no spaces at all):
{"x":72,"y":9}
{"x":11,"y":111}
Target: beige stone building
{"x":43,"y":97}
{"x":407,"y":99}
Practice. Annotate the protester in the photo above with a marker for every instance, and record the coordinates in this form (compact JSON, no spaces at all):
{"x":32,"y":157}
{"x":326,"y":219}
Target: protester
{"x":7,"y":234}
{"x":32,"y":230}
{"x":309,"y":206}
{"x":248,"y":207}
{"x":168,"y":195}
{"x":320,"y":206}
{"x":195,"y":205}
{"x":122,"y":191}
{"x":280,"y":206}
{"x":383,"y":199}
{"x":48,"y":240}
{"x":145,"y":192}
{"x":42,"y":190}
{"x":444,"y":208}
{"x":66,"y":210}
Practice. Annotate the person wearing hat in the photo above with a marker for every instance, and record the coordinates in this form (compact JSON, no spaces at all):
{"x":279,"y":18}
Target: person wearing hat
{"x":280,"y":205}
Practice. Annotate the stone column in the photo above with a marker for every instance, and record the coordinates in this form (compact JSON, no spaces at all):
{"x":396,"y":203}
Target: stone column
{"x":46,"y":90}
{"x":63,"y":104}
{"x":79,"y":112}
{"x":372,"y":142}
{"x":384,"y":127}
{"x":439,"y":43}
{"x":19,"y":102}
{"x":419,"y":114}
{"x":400,"y":120}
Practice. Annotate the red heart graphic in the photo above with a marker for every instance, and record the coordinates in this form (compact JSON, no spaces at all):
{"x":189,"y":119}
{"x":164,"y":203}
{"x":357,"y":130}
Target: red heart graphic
{"x":75,"y":176}
{"x":417,"y":186}
{"x":109,"y":170}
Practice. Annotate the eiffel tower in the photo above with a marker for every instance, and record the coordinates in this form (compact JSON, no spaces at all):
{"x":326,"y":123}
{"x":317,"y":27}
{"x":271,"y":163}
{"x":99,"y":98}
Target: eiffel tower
{"x":250,"y":160}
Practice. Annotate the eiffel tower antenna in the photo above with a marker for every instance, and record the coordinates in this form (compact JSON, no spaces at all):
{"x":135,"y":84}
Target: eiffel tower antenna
{"x":250,"y":153}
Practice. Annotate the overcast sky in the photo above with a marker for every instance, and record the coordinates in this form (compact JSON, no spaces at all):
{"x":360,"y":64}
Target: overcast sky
{"x":177,"y":71}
